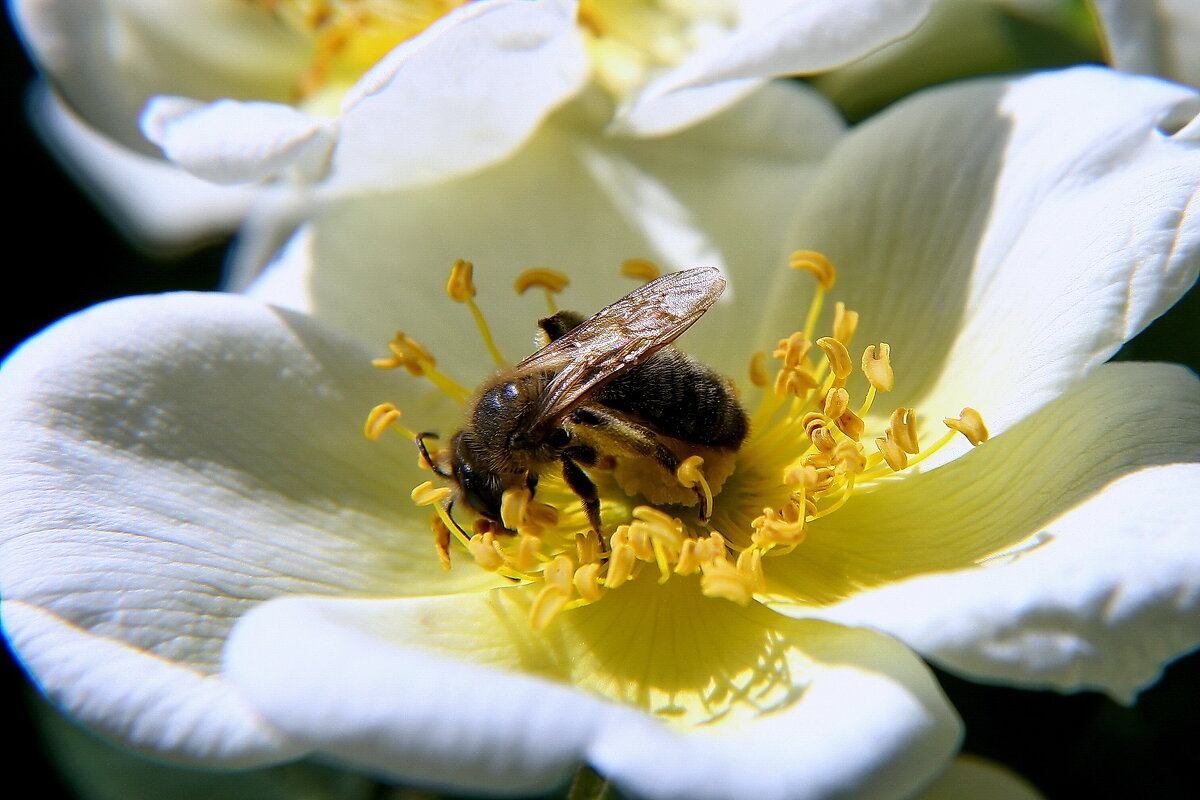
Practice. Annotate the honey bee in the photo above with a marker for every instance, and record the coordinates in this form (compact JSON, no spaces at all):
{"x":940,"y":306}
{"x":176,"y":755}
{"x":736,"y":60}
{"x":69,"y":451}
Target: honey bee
{"x":604,"y":388}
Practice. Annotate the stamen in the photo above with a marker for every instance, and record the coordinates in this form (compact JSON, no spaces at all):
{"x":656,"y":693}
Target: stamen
{"x":688,"y":474}
{"x":640,"y":268}
{"x":513,"y":503}
{"x":620,"y":566}
{"x":407,"y":352}
{"x":587,"y":582}
{"x":426,"y":494}
{"x":486,"y":551}
{"x":758,"y":372}
{"x":838,"y":355}
{"x":546,"y":605}
{"x":892,"y":452}
{"x":845,"y":323}
{"x":382,"y":417}
{"x":817,"y":264}
{"x":551,"y":281}
{"x":461,"y":288}
{"x":441,"y":540}
{"x":969,"y":424}
{"x":877,"y":366}
{"x":903,"y":427}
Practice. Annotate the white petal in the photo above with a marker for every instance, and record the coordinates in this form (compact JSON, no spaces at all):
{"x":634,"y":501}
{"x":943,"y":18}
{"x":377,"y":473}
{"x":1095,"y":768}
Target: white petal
{"x":166,"y":463}
{"x":774,"y":37}
{"x":464,"y":94}
{"x":107,"y":59}
{"x":154,"y":203}
{"x":152,"y":705}
{"x":1098,"y":583}
{"x":1153,"y":37}
{"x":1007,"y":236}
{"x":236,"y":142}
{"x":344,"y":676}
{"x":978,"y":779}
{"x":572,"y":201}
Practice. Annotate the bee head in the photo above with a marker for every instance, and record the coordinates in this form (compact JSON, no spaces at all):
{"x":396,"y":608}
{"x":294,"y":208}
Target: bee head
{"x":482,"y":489}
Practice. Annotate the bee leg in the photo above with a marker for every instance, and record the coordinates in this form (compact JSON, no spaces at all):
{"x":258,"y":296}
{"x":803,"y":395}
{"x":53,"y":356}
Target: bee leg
{"x":635,"y":438}
{"x":582,"y":485}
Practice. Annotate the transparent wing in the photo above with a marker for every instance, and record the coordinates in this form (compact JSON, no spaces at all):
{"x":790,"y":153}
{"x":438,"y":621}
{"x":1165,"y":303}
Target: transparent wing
{"x":619,"y":336}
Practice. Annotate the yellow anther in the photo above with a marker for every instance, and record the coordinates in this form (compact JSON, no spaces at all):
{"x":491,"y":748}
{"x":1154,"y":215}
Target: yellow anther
{"x":407,"y":352}
{"x":836,"y":403}
{"x":689,"y":559}
{"x":845,"y":323}
{"x":587,"y":547}
{"x":903,"y":429}
{"x":542,"y":277}
{"x":758,"y":372}
{"x":784,"y":527}
{"x":513,"y":503}
{"x":688,"y":472}
{"x":749,"y":564}
{"x":441,"y":540}
{"x":529,"y":547}
{"x":792,"y":350}
{"x":817,"y":264}
{"x":461,"y":286}
{"x":660,"y":525}
{"x":877,"y":366}
{"x":850,"y":424}
{"x":379,"y":419}
{"x":839,"y":357}
{"x":892,"y":452}
{"x":587,"y":582}
{"x":797,"y":382}
{"x":722,"y":579}
{"x":638,"y":537}
{"x":539,"y":516}
{"x":969,"y":424}
{"x":546,"y":605}
{"x":486,"y":551}
{"x":640,"y":268}
{"x":822,"y":439}
{"x":426,"y":494}
{"x":620,"y":566}
{"x":849,"y":457}
{"x":559,"y":572}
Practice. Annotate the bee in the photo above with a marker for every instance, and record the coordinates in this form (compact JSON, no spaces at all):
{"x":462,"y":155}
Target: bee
{"x":602,"y":389}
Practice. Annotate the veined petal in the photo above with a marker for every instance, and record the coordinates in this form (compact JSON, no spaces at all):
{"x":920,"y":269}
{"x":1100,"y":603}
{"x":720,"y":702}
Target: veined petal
{"x":158,"y":205}
{"x":234,"y":142}
{"x":1120,"y":419}
{"x":1152,"y":38}
{"x":585,"y":205}
{"x":156,"y":706}
{"x":773,"y":37}
{"x":1005,"y":237}
{"x":1087,"y":561}
{"x":460,"y":692}
{"x":466,"y":93}
{"x":170,"y":461}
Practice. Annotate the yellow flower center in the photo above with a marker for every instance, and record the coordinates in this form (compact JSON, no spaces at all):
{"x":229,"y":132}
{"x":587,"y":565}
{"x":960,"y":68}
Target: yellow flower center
{"x":628,"y":40}
{"x":804,"y":459}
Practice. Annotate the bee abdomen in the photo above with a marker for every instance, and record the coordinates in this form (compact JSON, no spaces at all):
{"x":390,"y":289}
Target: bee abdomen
{"x":681,"y":398}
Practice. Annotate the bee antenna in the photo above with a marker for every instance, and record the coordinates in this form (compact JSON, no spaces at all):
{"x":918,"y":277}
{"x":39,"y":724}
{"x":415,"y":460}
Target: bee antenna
{"x":450,"y":516}
{"x":433,"y":465}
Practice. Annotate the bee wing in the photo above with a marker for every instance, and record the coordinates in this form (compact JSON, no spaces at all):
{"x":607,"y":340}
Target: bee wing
{"x":620,"y":336}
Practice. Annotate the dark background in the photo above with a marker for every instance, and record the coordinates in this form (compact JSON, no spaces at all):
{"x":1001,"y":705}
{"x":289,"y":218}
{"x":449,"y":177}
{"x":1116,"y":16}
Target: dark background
{"x":1068,"y":746}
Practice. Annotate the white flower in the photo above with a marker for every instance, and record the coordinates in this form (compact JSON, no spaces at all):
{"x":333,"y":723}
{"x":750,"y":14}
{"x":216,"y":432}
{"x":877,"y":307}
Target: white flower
{"x":391,"y":92}
{"x":205,"y":559}
{"x":1156,"y":38}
